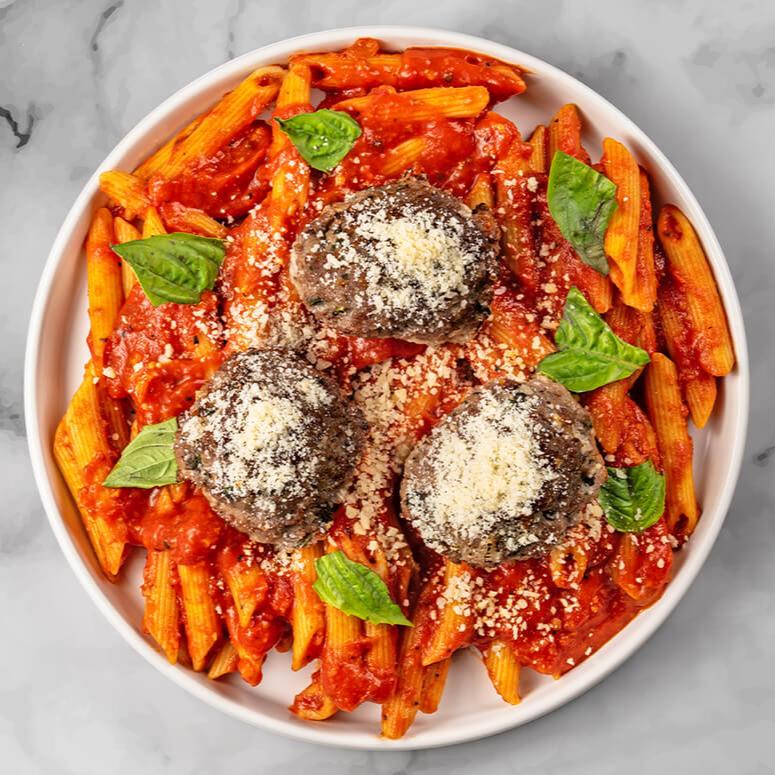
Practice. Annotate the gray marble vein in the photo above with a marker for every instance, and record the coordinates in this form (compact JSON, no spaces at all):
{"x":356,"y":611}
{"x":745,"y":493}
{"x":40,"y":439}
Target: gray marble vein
{"x":698,"y":76}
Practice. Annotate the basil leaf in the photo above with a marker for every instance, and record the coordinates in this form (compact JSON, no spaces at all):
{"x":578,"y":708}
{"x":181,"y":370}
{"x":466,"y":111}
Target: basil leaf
{"x":633,"y":498}
{"x":174,"y":267}
{"x":591,"y":354}
{"x":581,"y":201}
{"x":323,"y":138}
{"x":356,"y":590}
{"x":148,"y":460}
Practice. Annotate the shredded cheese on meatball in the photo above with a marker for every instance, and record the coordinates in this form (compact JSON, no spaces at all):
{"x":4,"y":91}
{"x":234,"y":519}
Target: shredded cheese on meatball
{"x":491,"y":464}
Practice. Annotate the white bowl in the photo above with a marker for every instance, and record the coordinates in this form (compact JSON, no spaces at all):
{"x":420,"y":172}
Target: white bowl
{"x":470,"y":709}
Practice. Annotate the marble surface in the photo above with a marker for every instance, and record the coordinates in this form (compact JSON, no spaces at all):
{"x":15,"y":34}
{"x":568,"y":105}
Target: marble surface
{"x":698,"y":76}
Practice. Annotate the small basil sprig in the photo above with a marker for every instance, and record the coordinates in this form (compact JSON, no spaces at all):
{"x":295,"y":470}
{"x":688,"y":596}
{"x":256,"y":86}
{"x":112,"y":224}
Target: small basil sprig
{"x":581,"y":201}
{"x":356,"y":590}
{"x":148,"y":460}
{"x":323,"y":138}
{"x":633,"y":498}
{"x":590,"y":353}
{"x":174,"y":267}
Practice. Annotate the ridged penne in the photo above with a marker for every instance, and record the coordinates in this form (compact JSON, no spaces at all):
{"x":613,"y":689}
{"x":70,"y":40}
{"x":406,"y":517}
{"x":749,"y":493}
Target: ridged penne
{"x":504,"y":670}
{"x":152,"y":223}
{"x":481,"y":192}
{"x":248,"y":587}
{"x":158,"y":160}
{"x":308,"y":620}
{"x":224,"y":662}
{"x":622,"y":236}
{"x":178,"y":217}
{"x":400,"y":709}
{"x":539,"y":142}
{"x":453,"y":627}
{"x":312,"y":703}
{"x":668,"y":416}
{"x":161,"y":617}
{"x":401,"y":157}
{"x":126,"y":190}
{"x":233,"y":113}
{"x":690,"y":269}
{"x":567,"y":565}
{"x":126,"y":232}
{"x":565,"y":134}
{"x":433,"y":683}
{"x":426,"y":104}
{"x":201,"y":620}
{"x":104,"y":283}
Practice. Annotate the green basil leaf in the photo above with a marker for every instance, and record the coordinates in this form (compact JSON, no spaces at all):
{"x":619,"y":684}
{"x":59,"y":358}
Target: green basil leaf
{"x":581,"y":201}
{"x":356,"y":590}
{"x":174,"y":267}
{"x":323,"y":138}
{"x":633,"y":498}
{"x":590,"y":353}
{"x":148,"y":460}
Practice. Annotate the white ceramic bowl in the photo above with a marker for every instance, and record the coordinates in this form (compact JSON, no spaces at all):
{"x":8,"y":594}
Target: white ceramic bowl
{"x":470,"y":709}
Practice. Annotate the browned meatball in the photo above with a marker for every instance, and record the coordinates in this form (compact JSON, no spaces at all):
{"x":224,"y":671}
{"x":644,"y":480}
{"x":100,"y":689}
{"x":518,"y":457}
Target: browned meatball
{"x":403,"y":260}
{"x":505,"y":475}
{"x":270,"y":441}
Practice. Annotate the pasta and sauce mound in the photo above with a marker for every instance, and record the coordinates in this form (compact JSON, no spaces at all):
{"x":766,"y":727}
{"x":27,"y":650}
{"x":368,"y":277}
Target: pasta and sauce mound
{"x":386,"y":377}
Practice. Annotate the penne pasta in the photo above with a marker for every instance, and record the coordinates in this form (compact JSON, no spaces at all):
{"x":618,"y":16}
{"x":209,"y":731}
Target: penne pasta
{"x":400,"y":709}
{"x":200,"y":618}
{"x":687,"y":264}
{"x":565,"y":134}
{"x":453,"y":628}
{"x":233,"y":113}
{"x":127,"y":191}
{"x":539,"y":142}
{"x":503,"y":669}
{"x":225,"y":662}
{"x":104,"y":283}
{"x":308,"y":620}
{"x":178,"y":217}
{"x":402,"y":156}
{"x":667,"y":414}
{"x":313,"y":704}
{"x":433,"y":683}
{"x":622,"y":237}
{"x":152,"y":223}
{"x":424,"y":104}
{"x":161,"y":616}
{"x":126,"y":232}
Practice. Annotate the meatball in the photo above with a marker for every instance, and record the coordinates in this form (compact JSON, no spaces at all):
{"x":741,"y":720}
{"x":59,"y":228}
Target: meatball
{"x":505,"y":475}
{"x":403,"y":260}
{"x":270,"y":442}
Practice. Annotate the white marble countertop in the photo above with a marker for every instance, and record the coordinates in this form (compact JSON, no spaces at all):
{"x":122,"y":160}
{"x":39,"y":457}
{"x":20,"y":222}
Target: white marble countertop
{"x":699,"y":77}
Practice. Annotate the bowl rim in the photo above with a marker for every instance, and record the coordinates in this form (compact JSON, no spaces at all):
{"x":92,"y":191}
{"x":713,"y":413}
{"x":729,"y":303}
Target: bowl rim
{"x":593,"y":672}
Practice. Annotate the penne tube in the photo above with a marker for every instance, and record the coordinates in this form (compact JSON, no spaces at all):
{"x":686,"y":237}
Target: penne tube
{"x":248,"y":587}
{"x":158,"y":160}
{"x":312,"y":703}
{"x":481,"y":192}
{"x":308,"y":619}
{"x":565,"y":134}
{"x":161,"y":615}
{"x":425,"y":104}
{"x":690,"y":269}
{"x":622,"y":237}
{"x":152,"y":223}
{"x":104,"y":283}
{"x":539,"y":142}
{"x":233,"y":113}
{"x":178,"y":217}
{"x":201,"y":621}
{"x":504,"y":670}
{"x":225,"y":661}
{"x":453,"y":627}
{"x":126,"y":190}
{"x":401,"y":157}
{"x":646,"y":281}
{"x":699,"y":387}
{"x":567,"y":565}
{"x":126,"y":232}
{"x":400,"y":709}
{"x":668,"y":416}
{"x":433,"y":682}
